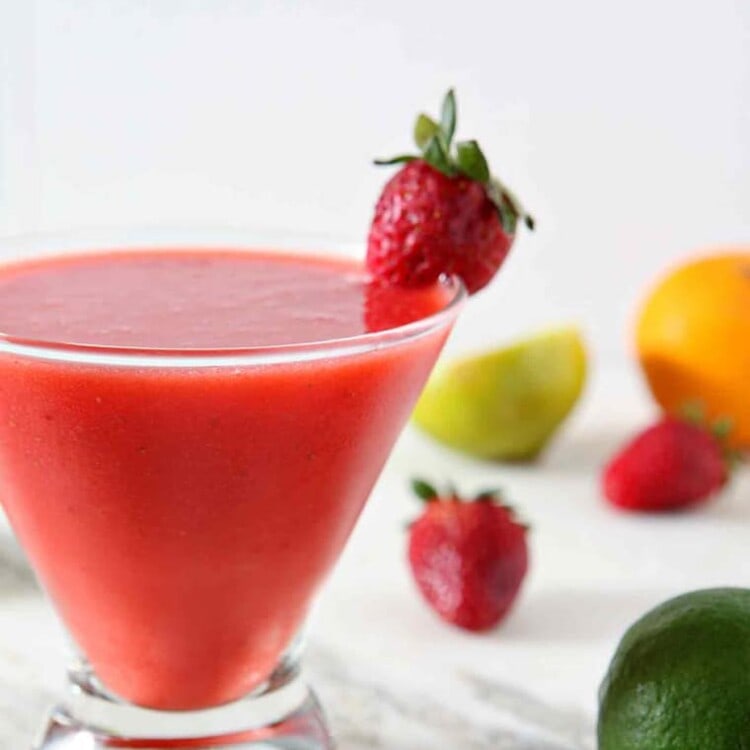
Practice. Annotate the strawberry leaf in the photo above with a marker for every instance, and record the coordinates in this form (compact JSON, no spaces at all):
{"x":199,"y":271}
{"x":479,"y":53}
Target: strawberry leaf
{"x":436,"y":156}
{"x":508,"y":217}
{"x":471,"y":161}
{"x":425,"y":128}
{"x":516,"y":208}
{"x":488,"y":496}
{"x":694,"y":412}
{"x":424,"y":490}
{"x":435,"y":142}
{"x":722,"y":427}
{"x":402,"y":159}
{"x":448,"y":117}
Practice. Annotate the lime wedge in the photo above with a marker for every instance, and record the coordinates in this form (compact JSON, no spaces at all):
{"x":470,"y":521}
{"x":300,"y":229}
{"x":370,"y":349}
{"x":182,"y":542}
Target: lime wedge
{"x":505,"y":404}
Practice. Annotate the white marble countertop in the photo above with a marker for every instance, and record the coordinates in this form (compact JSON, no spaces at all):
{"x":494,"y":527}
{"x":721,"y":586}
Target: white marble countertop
{"x":390,"y":673}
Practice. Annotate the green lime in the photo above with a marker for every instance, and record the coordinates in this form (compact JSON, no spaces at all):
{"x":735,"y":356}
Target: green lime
{"x":505,"y":404}
{"x":680,"y":679}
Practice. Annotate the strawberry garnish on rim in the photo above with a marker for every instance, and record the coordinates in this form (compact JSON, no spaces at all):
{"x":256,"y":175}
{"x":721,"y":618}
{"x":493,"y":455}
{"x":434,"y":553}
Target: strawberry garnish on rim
{"x":443,"y":212}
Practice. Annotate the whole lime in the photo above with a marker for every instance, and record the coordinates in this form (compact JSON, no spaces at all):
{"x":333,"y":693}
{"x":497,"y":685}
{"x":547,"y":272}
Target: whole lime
{"x":680,"y":679}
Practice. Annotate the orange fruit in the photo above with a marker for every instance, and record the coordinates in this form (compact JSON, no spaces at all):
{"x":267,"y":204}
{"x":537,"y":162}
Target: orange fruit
{"x":693,"y":339}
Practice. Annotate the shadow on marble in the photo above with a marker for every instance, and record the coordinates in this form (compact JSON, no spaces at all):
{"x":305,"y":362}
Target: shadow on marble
{"x":366,"y":712}
{"x":733,"y":504}
{"x":582,"y":453}
{"x":577,"y":615}
{"x":16,"y":578}
{"x":576,"y":453}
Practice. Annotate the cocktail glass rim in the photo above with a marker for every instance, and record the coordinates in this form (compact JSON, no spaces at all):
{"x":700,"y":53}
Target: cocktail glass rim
{"x":79,"y":243}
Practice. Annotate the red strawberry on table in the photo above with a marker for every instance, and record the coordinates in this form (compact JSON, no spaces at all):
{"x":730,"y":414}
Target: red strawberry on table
{"x":673,"y":464}
{"x":468,"y":558}
{"x":443,"y":212}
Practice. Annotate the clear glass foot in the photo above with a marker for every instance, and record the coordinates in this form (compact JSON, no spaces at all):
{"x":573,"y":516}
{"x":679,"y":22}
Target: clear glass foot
{"x":284,"y":716}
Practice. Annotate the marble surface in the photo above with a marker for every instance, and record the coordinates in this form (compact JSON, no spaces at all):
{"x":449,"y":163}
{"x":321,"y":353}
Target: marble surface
{"x":370,"y":704}
{"x":393,"y":676}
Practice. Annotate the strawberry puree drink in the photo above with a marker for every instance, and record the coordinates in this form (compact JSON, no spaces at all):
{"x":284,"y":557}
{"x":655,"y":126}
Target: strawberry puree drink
{"x":187,"y":438}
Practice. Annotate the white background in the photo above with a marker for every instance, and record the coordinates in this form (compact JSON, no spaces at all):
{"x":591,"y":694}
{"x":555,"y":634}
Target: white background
{"x":625,"y":126}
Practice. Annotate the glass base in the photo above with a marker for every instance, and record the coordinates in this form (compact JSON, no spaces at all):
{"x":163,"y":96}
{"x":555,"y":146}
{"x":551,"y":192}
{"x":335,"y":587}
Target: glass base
{"x":285,"y":715}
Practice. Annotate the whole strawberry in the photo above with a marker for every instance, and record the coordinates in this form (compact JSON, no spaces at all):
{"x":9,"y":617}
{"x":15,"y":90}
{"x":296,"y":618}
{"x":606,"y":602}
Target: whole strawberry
{"x":443,"y":212}
{"x":468,"y":559}
{"x":673,"y":464}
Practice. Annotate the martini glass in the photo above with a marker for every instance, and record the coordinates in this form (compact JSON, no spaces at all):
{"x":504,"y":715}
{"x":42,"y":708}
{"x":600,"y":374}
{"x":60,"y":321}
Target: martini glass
{"x":185,"y":605}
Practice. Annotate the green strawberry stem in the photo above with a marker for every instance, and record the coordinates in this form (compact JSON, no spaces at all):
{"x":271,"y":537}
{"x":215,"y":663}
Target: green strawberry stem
{"x":721,"y":428}
{"x":424,"y":490}
{"x":434,"y":140}
{"x":493,"y":495}
{"x":428,"y":493}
